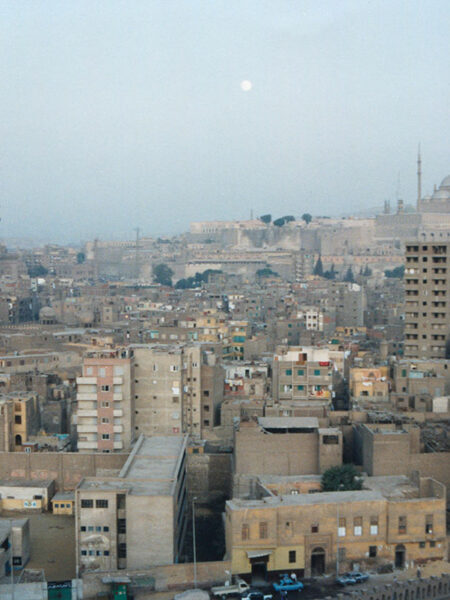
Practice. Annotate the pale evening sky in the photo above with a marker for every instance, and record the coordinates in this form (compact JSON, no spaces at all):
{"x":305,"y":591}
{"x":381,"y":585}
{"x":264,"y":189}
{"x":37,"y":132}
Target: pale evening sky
{"x":116,"y":114}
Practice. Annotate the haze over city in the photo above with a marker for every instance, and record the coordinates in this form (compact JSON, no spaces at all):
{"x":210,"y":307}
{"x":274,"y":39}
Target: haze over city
{"x":119,"y":114}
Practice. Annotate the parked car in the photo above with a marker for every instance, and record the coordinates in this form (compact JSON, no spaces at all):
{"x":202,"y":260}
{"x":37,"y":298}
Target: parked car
{"x":358,"y":576}
{"x":253,"y":594}
{"x":228,"y":589}
{"x":346,"y":579}
{"x":287,"y":584}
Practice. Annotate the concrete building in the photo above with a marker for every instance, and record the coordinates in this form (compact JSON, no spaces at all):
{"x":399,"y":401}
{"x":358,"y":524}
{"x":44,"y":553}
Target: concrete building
{"x":369,"y":383}
{"x":14,"y":544}
{"x":137,"y":519}
{"x":427,"y":293}
{"x":283,"y":446}
{"x":393,"y":520}
{"x":19,"y":494}
{"x":302,"y":373}
{"x":177,"y":389}
{"x":105,"y":395}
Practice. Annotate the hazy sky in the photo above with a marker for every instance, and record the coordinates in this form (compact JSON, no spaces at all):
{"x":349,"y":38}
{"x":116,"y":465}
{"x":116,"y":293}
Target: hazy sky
{"x":117,"y":114}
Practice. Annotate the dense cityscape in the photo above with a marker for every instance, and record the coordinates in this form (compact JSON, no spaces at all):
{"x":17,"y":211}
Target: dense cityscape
{"x":224,"y":300}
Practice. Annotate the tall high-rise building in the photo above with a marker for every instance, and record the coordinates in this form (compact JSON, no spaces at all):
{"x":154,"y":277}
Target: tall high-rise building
{"x":427,"y":297}
{"x":105,"y":395}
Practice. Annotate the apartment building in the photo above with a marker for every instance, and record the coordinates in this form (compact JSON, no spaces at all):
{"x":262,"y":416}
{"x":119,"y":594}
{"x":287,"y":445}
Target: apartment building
{"x":427,"y":293}
{"x":370,"y":383}
{"x":177,"y":389}
{"x":393,"y":520}
{"x":302,"y":374}
{"x":105,"y":396}
{"x":137,"y":519}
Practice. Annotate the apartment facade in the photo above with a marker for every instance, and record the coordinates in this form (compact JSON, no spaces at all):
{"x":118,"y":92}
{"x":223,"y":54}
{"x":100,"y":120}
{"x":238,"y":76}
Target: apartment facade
{"x":105,"y":396}
{"x":137,"y":519}
{"x":302,"y":374}
{"x":177,"y":389}
{"x":427,"y":293}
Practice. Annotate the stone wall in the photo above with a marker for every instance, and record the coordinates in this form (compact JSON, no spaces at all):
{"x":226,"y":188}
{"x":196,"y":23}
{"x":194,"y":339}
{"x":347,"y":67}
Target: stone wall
{"x":66,"y":468}
{"x":161,"y":578}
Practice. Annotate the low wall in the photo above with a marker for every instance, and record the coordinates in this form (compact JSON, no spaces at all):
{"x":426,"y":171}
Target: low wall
{"x":167,"y":577}
{"x":66,"y":468}
{"x":437,"y":588}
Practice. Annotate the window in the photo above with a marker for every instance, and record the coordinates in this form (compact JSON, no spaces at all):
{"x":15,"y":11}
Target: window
{"x":402,"y":524}
{"x":300,"y":372}
{"x":83,"y":553}
{"x":87,"y":503}
{"x":245,"y":534}
{"x":90,"y":528}
{"x":206,"y":393}
{"x":122,"y":551}
{"x":91,"y":552}
{"x":17,"y":419}
{"x":106,"y":553}
{"x":98,"y":552}
{"x":102,"y":372}
{"x":342,"y":553}
{"x":101,"y":504}
{"x":263,"y":530}
{"x":105,"y":420}
{"x":315,"y":528}
{"x":357,"y":526}
{"x":421,"y":544}
{"x":342,"y":527}
{"x":98,"y":528}
{"x":105,"y":436}
{"x":372,"y":551}
{"x":300,"y":388}
{"x":121,"y":526}
{"x":292,"y":556}
{"x":432,"y":544}
{"x":316,"y":372}
{"x":288,"y":371}
{"x":429,"y":524}
{"x":105,"y":404}
{"x":106,"y":528}
{"x":374,"y":525}
{"x":105,"y":388}
{"x":83,"y":528}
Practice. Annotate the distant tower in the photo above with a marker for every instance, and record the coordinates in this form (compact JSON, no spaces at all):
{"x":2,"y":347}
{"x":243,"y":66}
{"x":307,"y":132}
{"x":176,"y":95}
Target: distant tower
{"x":419,"y":180}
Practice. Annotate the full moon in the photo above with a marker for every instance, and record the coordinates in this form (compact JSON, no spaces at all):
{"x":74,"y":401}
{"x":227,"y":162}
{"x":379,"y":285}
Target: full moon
{"x":246,"y":85}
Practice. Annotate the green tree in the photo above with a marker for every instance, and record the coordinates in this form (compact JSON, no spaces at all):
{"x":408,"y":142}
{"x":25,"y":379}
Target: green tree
{"x":331,"y":273}
{"x":318,"y":269}
{"x":266,"y":272}
{"x":367,"y":271}
{"x":398,"y":272}
{"x":341,"y":479}
{"x":289,"y":218}
{"x":349,"y":276}
{"x":279,"y":222}
{"x":37,"y":271}
{"x":307,"y":218}
{"x":265,"y":218}
{"x":81,"y":257}
{"x":162,"y":274}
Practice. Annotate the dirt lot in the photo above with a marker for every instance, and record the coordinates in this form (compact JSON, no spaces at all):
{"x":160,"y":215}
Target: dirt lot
{"x":52,"y":543}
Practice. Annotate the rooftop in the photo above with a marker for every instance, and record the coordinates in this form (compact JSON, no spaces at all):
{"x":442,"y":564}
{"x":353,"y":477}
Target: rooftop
{"x":289,"y":422}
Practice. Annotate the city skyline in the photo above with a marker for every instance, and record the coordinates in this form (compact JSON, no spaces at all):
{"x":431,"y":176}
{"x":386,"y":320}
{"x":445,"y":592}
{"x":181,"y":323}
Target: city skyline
{"x":110,"y":113}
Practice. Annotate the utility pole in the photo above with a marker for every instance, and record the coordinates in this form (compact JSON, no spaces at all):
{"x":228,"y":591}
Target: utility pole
{"x":11,"y":556}
{"x":337,"y":543}
{"x":194,"y":546}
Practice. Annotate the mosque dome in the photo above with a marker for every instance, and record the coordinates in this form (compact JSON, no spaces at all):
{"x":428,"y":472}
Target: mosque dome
{"x":441,"y":194}
{"x":445,"y":184}
{"x":47,"y":312}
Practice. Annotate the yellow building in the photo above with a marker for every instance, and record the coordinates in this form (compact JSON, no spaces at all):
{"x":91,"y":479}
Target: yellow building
{"x":394,"y":520}
{"x":373,"y":382}
{"x":63,"y":503}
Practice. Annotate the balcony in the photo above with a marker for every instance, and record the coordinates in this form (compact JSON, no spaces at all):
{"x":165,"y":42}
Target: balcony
{"x":82,"y":396}
{"x":117,"y":413}
{"x":117,"y":380}
{"x":87,"y":413}
{"x":117,"y":396}
{"x":118,"y":428}
{"x":86,"y":380}
{"x":91,"y":445}
{"x":118,"y":445}
{"x":86,"y":429}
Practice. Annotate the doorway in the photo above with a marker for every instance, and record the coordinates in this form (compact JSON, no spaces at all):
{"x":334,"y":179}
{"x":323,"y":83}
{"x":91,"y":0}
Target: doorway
{"x":317,"y":562}
{"x":400,"y":553}
{"x":259,"y":570}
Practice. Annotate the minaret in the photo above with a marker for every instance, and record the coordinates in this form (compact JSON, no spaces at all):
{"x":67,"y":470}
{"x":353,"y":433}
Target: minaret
{"x":419,"y":180}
